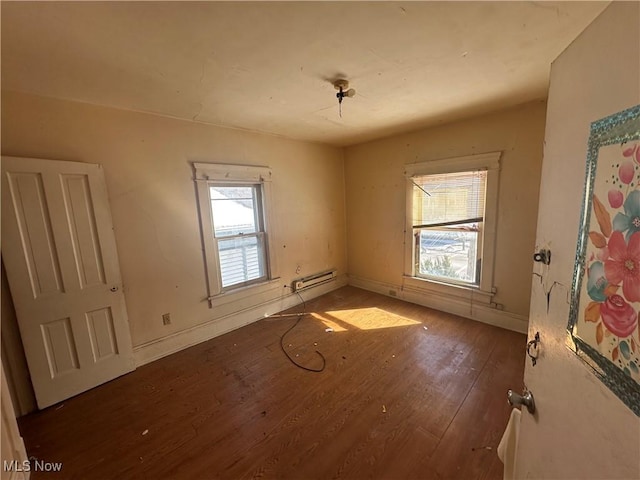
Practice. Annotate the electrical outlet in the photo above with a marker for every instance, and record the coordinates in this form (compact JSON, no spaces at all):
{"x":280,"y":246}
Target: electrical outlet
{"x":166,"y":319}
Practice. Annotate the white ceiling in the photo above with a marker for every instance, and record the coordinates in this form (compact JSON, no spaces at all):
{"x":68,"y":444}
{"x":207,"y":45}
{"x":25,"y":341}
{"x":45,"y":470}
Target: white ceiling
{"x":268,"y":66}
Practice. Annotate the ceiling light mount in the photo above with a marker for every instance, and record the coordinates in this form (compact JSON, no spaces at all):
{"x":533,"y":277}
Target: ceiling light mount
{"x":343,"y":91}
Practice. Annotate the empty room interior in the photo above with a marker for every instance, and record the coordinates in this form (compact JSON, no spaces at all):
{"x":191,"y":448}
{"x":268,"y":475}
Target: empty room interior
{"x":314,"y":240}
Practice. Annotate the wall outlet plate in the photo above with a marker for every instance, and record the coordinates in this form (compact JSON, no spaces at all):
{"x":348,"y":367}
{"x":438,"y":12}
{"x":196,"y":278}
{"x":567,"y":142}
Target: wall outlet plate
{"x":166,"y":319}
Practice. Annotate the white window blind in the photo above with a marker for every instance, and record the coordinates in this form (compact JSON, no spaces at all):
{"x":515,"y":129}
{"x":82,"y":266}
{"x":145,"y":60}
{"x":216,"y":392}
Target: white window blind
{"x":449,"y":201}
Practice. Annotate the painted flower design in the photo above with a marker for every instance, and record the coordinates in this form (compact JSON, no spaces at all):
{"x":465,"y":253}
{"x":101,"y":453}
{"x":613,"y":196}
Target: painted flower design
{"x":615,"y":198}
{"x":623,"y":265}
{"x":632,"y":151}
{"x":618,"y":316}
{"x":597,"y":282}
{"x":626,"y":172}
{"x":629,"y":221}
{"x":611,"y":295}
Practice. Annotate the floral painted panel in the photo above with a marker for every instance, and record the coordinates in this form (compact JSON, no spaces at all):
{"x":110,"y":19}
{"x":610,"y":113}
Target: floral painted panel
{"x":610,"y":299}
{"x":605,"y":307}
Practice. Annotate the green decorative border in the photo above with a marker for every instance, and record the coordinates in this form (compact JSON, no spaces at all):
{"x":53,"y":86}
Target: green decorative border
{"x":618,"y":128}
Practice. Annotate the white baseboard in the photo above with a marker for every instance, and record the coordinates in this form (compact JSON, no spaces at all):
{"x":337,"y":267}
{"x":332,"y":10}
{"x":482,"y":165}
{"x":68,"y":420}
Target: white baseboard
{"x":161,"y":347}
{"x":474,"y":311}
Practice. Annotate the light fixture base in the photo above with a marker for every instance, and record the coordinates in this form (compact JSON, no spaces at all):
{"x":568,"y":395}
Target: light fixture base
{"x":341,"y":84}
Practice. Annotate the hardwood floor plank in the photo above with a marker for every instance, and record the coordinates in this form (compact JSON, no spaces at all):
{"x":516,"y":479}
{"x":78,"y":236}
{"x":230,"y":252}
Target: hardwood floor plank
{"x":395,"y":400}
{"x":471,"y":453}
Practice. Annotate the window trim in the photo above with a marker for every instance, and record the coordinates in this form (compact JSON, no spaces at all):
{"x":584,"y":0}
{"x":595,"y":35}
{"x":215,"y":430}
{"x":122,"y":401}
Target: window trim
{"x":210,"y":174}
{"x":485,"y":161}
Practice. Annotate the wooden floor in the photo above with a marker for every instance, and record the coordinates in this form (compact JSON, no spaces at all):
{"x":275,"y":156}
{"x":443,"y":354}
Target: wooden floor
{"x":408,"y":392}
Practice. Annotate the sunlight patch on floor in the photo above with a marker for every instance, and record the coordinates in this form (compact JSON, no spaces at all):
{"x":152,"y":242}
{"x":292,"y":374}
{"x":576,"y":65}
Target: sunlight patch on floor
{"x":371,"y":318}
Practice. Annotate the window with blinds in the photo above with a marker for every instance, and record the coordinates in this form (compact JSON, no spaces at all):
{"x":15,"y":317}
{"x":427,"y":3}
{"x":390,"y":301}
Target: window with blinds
{"x":448,"y":220}
{"x":238,"y":229}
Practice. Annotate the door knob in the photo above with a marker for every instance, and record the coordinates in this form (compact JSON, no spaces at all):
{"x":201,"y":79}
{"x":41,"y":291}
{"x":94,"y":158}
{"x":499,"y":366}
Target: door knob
{"x":114,"y":289}
{"x":525,"y":399}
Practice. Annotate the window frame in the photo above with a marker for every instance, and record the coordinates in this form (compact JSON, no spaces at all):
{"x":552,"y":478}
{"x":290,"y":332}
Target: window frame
{"x":259,"y":234}
{"x":490,"y":162}
{"x":208,"y":175}
{"x":417,"y":230}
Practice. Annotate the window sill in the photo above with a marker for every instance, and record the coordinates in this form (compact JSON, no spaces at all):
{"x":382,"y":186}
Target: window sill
{"x":460,"y":292}
{"x":242,"y":293}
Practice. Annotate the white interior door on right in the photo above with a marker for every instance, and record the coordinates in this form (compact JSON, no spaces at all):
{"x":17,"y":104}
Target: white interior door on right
{"x":60,"y":256}
{"x":581,"y":429}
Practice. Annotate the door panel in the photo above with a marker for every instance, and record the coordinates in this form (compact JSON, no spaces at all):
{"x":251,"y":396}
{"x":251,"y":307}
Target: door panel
{"x":580,"y":429}
{"x":60,"y":347}
{"x":62,"y":267}
{"x":102,"y":334}
{"x":82,"y":225}
{"x":34,"y":226}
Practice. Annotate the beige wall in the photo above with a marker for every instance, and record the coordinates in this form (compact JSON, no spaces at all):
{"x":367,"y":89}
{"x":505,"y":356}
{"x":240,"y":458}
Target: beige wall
{"x":582,"y":429}
{"x":153,"y":200}
{"x":375,"y":190}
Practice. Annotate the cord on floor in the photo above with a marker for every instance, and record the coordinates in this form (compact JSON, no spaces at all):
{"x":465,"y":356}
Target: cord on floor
{"x":291,"y":359}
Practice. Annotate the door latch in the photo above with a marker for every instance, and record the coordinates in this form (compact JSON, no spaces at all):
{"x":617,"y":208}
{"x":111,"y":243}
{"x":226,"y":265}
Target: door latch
{"x":533,"y":345}
{"x":543,"y":256}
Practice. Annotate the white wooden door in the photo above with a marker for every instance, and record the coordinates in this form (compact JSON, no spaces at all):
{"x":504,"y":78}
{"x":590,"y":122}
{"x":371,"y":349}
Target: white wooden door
{"x":60,"y":255}
{"x":581,"y":429}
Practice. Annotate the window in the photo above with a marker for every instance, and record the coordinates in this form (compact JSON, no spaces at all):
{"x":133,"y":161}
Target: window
{"x":239,"y":233}
{"x":234,"y":218}
{"x":451,"y":220}
{"x":448,"y":218}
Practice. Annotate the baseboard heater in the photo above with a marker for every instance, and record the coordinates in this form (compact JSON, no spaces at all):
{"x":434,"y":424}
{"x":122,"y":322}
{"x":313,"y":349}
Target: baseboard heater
{"x":313,"y":280}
